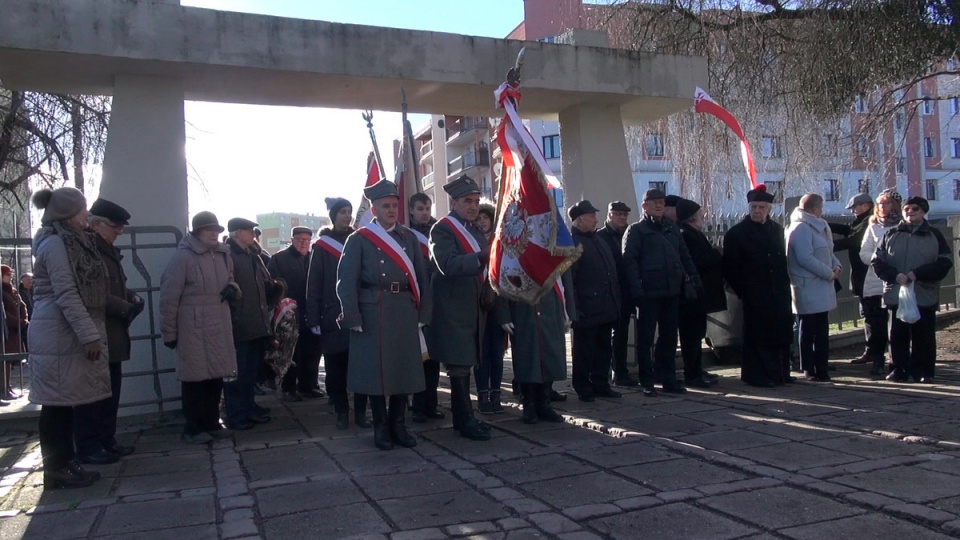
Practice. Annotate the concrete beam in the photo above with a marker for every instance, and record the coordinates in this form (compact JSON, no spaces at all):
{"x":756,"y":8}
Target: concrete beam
{"x":79,"y":46}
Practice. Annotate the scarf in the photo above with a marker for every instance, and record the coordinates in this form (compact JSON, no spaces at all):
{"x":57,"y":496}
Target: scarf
{"x":88,"y":269}
{"x":892,"y":219}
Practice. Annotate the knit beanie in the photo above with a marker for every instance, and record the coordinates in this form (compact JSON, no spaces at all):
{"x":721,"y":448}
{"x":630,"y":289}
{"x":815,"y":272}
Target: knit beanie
{"x":59,"y":204}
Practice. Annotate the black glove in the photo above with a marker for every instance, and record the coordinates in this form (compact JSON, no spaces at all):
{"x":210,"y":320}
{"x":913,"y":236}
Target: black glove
{"x":171,"y":344}
{"x":228,"y":294}
{"x":484,"y":257}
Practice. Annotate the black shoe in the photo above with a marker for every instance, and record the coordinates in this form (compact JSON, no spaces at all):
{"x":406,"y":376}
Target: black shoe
{"x":709,"y":376}
{"x":607,"y":393}
{"x":898,"y":375}
{"x":72,"y":475}
{"x":434,"y":415}
{"x":312,"y":394}
{"x":261,"y":411}
{"x":419,"y":417}
{"x":544,"y":411}
{"x":221,"y":433}
{"x":557,"y":396}
{"x":587,"y":398}
{"x":926,"y":380}
{"x":291,"y":397}
{"x":822,"y":378}
{"x":625,"y":380}
{"x":495,"y":401}
{"x":789,"y":379}
{"x":343,"y":420}
{"x":242,"y":426}
{"x":650,"y":391}
{"x":675,"y":388}
{"x":102,"y":457}
{"x":259,"y":419}
{"x":395,"y":417}
{"x":762,"y":384}
{"x":529,"y":395}
{"x":698,"y":383}
{"x":121,"y":449}
{"x":360,"y":420}
{"x":381,"y":437}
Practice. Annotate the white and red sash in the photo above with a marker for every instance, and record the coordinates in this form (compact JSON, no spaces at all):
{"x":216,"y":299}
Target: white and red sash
{"x":330,"y":245}
{"x":466,"y":240}
{"x":424,"y":243}
{"x":375,"y":233}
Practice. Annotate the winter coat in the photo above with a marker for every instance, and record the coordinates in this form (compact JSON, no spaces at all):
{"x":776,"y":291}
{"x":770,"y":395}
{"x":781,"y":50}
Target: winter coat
{"x":755,"y":267}
{"x":121,"y":307}
{"x":539,"y":349}
{"x":15,"y":317}
{"x":655,"y":260}
{"x":323,"y":305}
{"x":385,"y":358}
{"x":810,"y":261}
{"x":292,"y":267}
{"x":614,"y":240}
{"x":251,"y":313}
{"x":27,"y":297}
{"x":707,"y":259}
{"x":852,"y":240}
{"x":60,"y":374}
{"x":920,"y":249}
{"x":595,"y":281}
{"x":192,"y":313}
{"x":453,"y":336}
{"x":872,"y":285}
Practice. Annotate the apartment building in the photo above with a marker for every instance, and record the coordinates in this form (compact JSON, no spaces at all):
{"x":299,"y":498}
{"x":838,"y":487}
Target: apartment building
{"x":276,"y":227}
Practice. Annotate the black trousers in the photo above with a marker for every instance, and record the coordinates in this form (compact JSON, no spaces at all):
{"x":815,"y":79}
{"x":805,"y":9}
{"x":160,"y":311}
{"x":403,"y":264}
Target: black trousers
{"x":336,"y":368}
{"x":692,"y":329}
{"x":427,"y":400}
{"x":815,"y":343}
{"x":657,"y":314}
{"x":305,"y":375}
{"x":621,"y":333}
{"x":913,"y":347}
{"x":95,"y":424}
{"x":56,"y":436}
{"x":592,"y":353}
{"x":875,"y":321}
{"x":201,"y":405}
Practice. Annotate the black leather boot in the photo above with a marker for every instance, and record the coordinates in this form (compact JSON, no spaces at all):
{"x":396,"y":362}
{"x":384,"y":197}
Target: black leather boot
{"x":381,"y":429}
{"x":360,"y":411}
{"x":71,"y":475}
{"x":528,"y":394}
{"x":544,"y":411}
{"x":483,"y":403}
{"x":398,"y":431}
{"x":495,"y":401}
{"x":419,"y":407}
{"x":467,"y":424}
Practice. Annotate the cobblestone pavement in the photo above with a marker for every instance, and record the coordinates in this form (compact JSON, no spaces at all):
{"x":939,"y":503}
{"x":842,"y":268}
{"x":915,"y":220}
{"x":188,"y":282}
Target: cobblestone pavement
{"x":850,"y":459}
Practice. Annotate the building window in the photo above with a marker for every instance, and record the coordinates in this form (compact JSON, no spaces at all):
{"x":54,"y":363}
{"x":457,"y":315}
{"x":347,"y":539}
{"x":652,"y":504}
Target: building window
{"x":955,"y":147}
{"x":551,"y":146}
{"x":776,"y":189}
{"x":771,"y":147}
{"x":929,"y":150}
{"x":863,"y":186}
{"x":901,"y":164}
{"x":863,"y":148}
{"x":830,"y":145}
{"x":898,"y":120}
{"x":955,"y":106}
{"x":831,"y":189}
{"x":931,"y":186}
{"x":956,"y":190}
{"x":662,"y":186}
{"x":655,"y":145}
{"x":860,"y":105}
{"x":926,"y":108}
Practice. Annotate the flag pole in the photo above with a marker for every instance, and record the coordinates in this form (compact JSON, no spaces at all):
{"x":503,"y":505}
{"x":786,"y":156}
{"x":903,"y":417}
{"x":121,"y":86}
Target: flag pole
{"x":368,"y":116}
{"x":408,"y":139}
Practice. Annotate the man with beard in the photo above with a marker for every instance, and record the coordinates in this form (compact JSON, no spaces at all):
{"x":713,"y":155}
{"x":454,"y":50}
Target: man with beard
{"x":755,"y":267}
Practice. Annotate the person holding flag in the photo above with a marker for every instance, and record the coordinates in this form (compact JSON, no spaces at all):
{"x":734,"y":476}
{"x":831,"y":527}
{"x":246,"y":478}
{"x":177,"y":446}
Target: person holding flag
{"x":460,"y":253}
{"x":385,"y":301}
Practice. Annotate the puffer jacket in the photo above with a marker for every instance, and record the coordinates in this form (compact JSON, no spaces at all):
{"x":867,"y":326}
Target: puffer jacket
{"x":810,"y":262}
{"x":192,"y":313}
{"x":872,"y":285}
{"x":655,"y":259}
{"x":60,"y":374}
{"x":920,"y":249}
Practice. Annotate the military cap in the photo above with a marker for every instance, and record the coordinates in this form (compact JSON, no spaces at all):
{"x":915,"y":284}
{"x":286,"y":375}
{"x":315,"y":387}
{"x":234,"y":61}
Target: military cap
{"x":205,"y":220}
{"x":618,"y":206}
{"x":383,"y":188}
{"x":461,"y":187}
{"x":653,"y":194}
{"x":241,"y":224}
{"x":110,"y":210}
{"x":581,"y":208}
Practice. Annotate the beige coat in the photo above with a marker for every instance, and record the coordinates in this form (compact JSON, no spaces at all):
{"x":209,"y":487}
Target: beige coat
{"x":192,"y":314}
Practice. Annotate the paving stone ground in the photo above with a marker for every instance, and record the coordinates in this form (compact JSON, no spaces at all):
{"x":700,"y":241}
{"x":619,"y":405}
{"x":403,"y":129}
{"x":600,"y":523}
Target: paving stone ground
{"x":855,"y":458}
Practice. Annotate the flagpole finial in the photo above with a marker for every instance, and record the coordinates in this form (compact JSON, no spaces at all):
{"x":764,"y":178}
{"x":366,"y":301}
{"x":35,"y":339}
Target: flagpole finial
{"x":513,"y":75}
{"x":368,"y":116}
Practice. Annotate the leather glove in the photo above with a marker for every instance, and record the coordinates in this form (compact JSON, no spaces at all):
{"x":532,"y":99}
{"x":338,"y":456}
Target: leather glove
{"x":229,"y":294}
{"x":316,"y":330}
{"x":357,"y":329}
{"x":170,"y":344}
{"x":92,"y":350}
{"x":485,"y":257}
{"x":507,"y":327}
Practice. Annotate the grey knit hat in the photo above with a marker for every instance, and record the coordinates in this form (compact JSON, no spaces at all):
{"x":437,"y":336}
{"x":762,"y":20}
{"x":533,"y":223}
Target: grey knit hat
{"x":59,"y":204}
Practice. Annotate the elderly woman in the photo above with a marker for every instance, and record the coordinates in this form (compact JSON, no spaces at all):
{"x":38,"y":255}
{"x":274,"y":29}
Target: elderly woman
{"x":15,"y":314}
{"x":886,"y":216}
{"x":68,"y":352}
{"x":196,"y":290}
{"x":913,"y":252}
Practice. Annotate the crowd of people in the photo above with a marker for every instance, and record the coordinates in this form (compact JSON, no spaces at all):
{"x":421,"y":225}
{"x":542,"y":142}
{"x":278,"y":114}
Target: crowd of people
{"x":386,"y":305}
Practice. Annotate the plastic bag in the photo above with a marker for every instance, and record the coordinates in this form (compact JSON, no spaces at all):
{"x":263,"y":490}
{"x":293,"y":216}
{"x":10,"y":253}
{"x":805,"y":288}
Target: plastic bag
{"x":907,"y":310}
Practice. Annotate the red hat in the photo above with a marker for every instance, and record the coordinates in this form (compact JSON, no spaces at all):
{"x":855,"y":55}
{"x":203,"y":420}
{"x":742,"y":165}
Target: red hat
{"x":6,"y":270}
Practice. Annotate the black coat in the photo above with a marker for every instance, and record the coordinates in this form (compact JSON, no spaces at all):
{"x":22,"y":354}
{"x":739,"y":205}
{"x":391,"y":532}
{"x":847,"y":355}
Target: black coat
{"x":290,"y":266}
{"x":595,"y":281}
{"x":323,"y":305}
{"x":709,"y":265}
{"x":851,"y":242}
{"x":655,"y":259}
{"x":755,"y":267}
{"x":121,"y":307}
{"x":614,"y":240}
{"x":250,"y":313}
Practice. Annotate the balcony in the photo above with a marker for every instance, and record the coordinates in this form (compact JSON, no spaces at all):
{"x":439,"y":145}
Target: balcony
{"x":427,"y":180}
{"x":426,"y":149}
{"x":467,"y":130}
{"x":469,"y":161}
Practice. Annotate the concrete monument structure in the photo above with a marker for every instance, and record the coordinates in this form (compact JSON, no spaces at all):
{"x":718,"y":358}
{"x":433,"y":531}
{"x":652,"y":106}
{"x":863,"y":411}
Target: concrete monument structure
{"x":151,"y":56}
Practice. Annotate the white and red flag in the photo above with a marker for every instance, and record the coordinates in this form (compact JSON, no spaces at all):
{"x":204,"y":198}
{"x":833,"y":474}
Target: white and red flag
{"x":531,"y":246}
{"x":703,"y":103}
{"x":364,"y":215}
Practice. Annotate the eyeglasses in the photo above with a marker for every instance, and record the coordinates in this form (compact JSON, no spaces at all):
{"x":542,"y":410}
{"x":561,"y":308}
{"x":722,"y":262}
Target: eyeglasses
{"x":302,"y":240}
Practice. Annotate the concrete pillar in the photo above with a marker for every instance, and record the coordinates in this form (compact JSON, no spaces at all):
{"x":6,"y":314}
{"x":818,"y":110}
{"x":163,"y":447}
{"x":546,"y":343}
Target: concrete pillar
{"x":145,"y":171}
{"x":594,"y":157}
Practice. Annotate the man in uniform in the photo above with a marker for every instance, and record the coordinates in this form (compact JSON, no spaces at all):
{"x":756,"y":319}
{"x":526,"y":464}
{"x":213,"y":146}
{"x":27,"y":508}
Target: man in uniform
{"x":381,"y":283}
{"x":95,"y":424}
{"x":755,"y":267}
{"x":460,"y":253}
{"x":618,"y":213}
{"x":421,"y":221}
